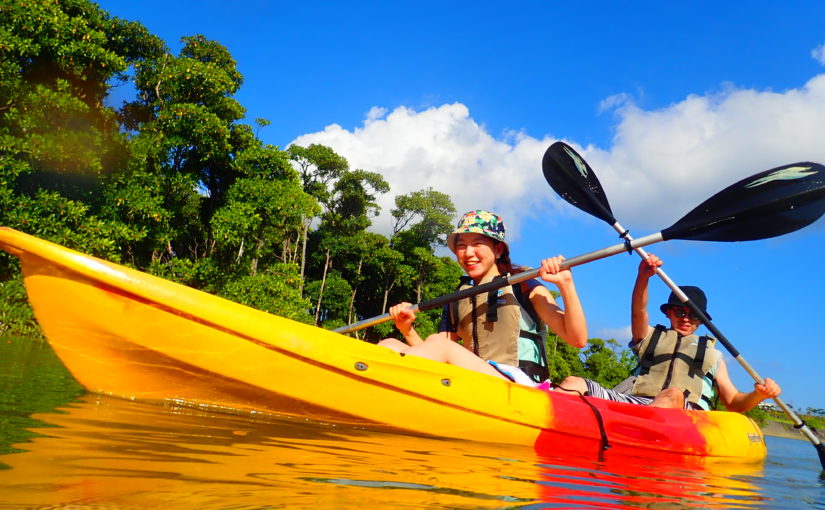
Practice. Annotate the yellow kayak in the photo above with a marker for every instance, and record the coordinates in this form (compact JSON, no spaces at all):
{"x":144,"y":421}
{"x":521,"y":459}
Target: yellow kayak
{"x":131,"y":335}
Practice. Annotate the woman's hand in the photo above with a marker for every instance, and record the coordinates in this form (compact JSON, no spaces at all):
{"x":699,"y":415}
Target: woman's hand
{"x":768,"y":389}
{"x":403,"y":316}
{"x":551,"y":271}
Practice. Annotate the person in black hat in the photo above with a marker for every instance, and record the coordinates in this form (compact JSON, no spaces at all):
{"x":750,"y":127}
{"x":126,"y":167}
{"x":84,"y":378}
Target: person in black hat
{"x":676,"y":368}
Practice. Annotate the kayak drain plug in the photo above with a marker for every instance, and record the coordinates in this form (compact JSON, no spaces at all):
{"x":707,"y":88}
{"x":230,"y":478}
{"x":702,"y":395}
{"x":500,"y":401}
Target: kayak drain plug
{"x":445,"y":382}
{"x":361,"y":366}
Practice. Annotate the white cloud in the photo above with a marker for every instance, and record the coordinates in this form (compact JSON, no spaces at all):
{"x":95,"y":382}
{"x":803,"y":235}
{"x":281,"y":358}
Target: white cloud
{"x":444,"y":148}
{"x":614,"y":101}
{"x":661,"y":164}
{"x":818,"y":54}
{"x":621,"y":335}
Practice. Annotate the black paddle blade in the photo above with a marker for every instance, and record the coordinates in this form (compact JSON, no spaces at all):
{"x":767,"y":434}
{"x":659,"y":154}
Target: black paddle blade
{"x":767,"y":204}
{"x":573,"y":179}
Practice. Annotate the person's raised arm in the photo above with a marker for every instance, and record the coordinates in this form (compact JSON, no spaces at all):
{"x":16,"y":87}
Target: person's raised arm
{"x":569,"y":323}
{"x":737,"y":401}
{"x":639,"y":322}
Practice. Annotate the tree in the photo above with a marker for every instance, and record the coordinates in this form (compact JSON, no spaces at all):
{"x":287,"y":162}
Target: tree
{"x":605,"y":362}
{"x":563,"y":360}
{"x":274,"y":290}
{"x":171,"y":182}
{"x":348,"y":200}
{"x":331,"y":303}
{"x":353,"y":201}
{"x":318,"y":165}
{"x":260,"y":216}
{"x":57,"y":137}
{"x":185,"y":144}
{"x":433,"y":209}
{"x":16,"y":315}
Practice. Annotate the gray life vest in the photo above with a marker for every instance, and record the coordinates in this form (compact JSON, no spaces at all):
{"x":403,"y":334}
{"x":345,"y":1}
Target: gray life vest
{"x":668,"y":359}
{"x":502,"y":326}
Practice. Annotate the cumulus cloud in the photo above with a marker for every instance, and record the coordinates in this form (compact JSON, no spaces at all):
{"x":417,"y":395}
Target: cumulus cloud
{"x":818,"y":54}
{"x":660,"y":164}
{"x":445,"y":149}
{"x":663,"y":163}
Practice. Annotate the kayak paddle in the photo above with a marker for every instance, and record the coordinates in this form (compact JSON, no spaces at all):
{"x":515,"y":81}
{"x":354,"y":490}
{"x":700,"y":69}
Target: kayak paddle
{"x":767,"y":204}
{"x":730,"y":215}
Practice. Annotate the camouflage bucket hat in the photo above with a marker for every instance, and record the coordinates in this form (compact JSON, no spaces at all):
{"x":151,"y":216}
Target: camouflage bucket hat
{"x":479,"y":222}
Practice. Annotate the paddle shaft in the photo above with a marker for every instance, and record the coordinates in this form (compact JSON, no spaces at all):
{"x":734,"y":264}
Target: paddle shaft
{"x":503,"y":282}
{"x":798,"y":423}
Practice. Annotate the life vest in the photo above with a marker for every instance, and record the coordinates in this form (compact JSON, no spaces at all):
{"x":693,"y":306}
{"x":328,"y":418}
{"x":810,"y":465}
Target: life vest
{"x":668,"y":359}
{"x":502,"y":326}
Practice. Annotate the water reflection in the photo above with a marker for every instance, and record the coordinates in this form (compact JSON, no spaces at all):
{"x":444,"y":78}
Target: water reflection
{"x":99,"y":451}
{"x":121,"y":453}
{"x":32,"y":379}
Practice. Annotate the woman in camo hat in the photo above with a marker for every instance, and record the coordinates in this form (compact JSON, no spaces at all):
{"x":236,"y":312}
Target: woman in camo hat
{"x":501,"y":333}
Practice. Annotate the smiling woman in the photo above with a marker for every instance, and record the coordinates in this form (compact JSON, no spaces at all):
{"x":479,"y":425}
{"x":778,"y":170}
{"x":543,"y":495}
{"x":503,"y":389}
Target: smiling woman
{"x":503,"y":335}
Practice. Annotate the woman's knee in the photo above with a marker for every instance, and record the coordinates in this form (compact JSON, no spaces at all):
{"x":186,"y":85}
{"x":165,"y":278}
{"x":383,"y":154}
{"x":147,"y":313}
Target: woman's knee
{"x":394,"y":344}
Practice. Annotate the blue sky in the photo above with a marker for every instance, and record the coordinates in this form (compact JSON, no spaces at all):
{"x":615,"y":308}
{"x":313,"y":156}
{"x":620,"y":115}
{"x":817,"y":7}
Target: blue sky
{"x":669,"y":102}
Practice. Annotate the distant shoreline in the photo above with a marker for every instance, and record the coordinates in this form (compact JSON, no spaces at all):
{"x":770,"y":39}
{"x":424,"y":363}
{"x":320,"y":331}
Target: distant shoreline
{"x":777,"y":429}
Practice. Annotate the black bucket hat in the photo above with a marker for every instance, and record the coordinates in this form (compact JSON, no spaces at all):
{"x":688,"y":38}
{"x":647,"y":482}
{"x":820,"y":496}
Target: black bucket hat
{"x":695,"y":294}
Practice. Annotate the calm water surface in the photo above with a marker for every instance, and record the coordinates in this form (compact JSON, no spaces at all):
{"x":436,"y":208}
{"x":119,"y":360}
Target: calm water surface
{"x":63,"y":448}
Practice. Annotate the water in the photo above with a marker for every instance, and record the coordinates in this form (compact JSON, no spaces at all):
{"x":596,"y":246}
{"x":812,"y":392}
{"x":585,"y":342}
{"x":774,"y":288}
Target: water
{"x":63,"y":448}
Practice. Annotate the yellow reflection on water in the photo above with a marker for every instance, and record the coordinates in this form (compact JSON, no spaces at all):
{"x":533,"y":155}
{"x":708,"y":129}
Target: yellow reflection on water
{"x":115,"y":453}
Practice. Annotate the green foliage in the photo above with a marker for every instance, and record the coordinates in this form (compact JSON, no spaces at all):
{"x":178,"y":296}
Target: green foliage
{"x":760,"y":416}
{"x":16,"y":316}
{"x":318,"y":165}
{"x":274,"y":291}
{"x":179,"y":270}
{"x":334,"y":304}
{"x":563,"y":360}
{"x":604,"y":361}
{"x":352,"y":201}
{"x":56,"y":63}
{"x":816,"y":421}
{"x":32,"y":381}
{"x":435,"y":210}
{"x":172,"y":183}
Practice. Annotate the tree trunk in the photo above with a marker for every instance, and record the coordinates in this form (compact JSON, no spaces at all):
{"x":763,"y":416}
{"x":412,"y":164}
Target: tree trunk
{"x":240,"y":253}
{"x":321,"y":290}
{"x":304,"y":259}
{"x":354,"y":291}
{"x":253,"y":268}
{"x":387,"y":288}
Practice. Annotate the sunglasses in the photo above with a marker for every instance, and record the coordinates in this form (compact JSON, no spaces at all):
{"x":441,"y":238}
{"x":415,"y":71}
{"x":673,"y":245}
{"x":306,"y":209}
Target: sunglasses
{"x":681,"y":313}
